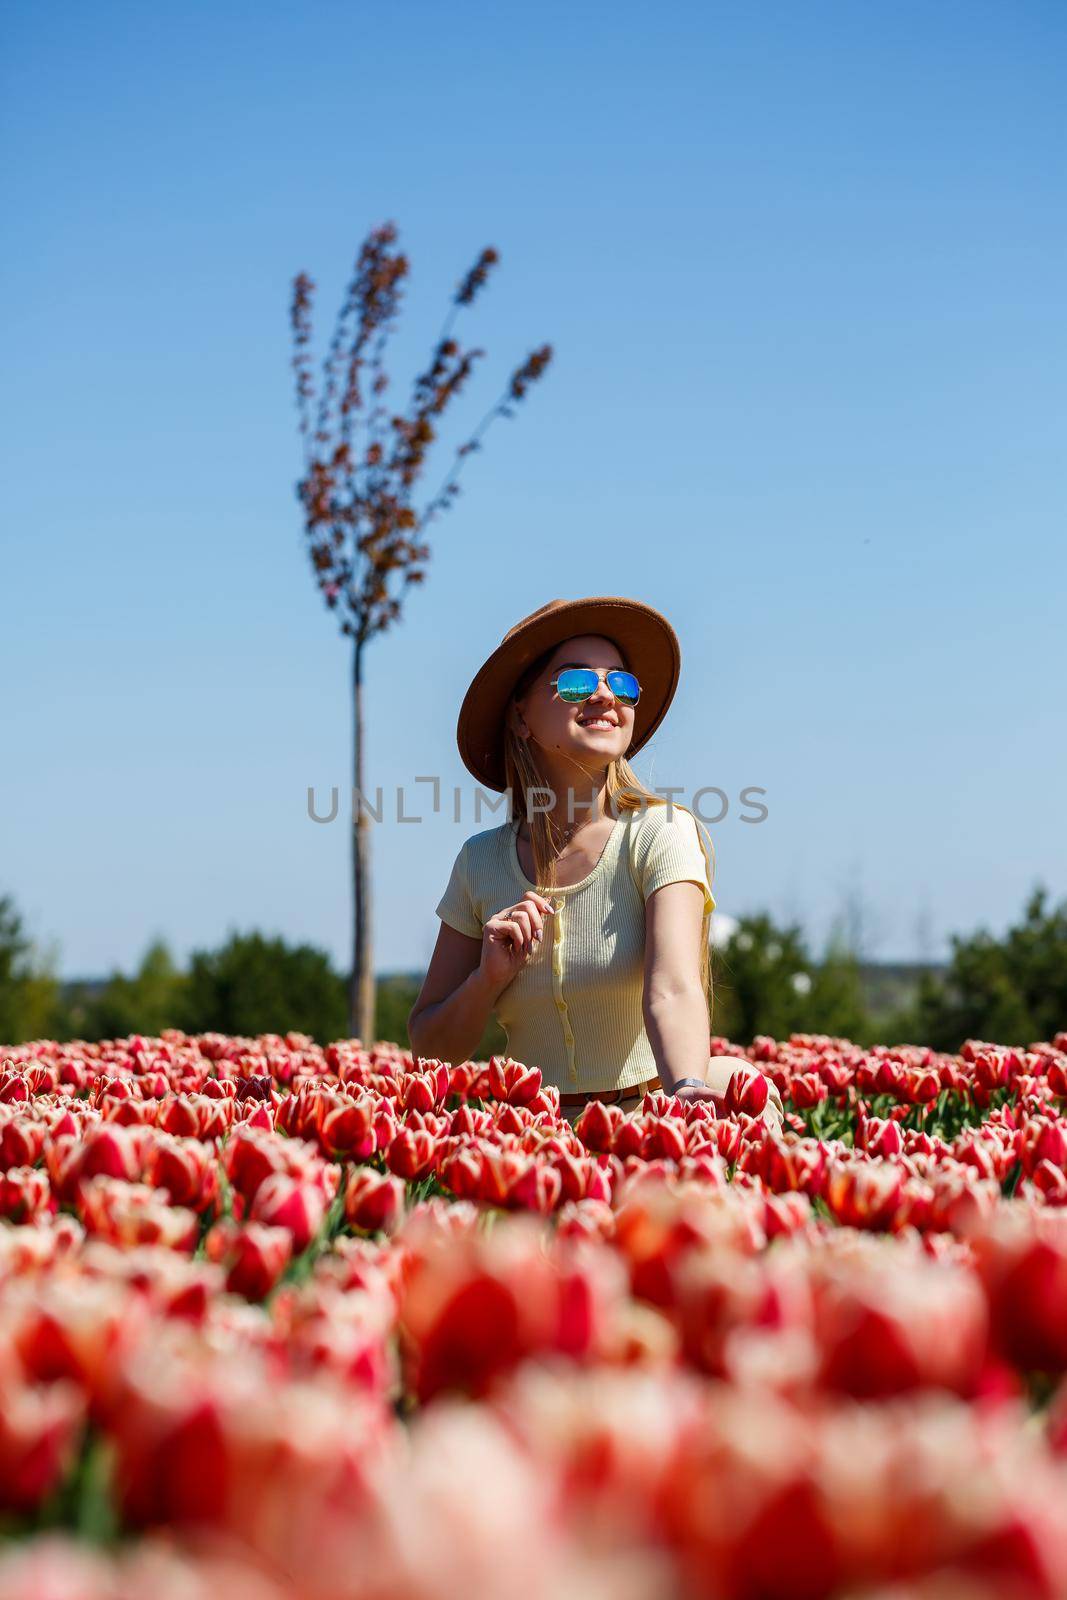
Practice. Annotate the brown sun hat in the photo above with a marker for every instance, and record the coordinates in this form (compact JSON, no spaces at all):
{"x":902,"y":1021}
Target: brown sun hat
{"x":645,"y":637}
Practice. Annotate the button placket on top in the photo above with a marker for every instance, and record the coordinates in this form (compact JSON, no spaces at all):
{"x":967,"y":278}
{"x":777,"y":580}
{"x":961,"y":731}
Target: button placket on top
{"x":558,"y":943}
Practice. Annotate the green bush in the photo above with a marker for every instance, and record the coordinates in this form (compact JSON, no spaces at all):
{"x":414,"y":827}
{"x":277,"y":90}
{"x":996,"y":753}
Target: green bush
{"x":253,"y":984}
{"x":29,"y":992}
{"x":1011,"y":990}
{"x":765,"y":981}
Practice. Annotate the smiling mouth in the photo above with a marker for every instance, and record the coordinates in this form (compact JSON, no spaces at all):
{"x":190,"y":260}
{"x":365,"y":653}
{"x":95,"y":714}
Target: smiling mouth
{"x":596,"y":722}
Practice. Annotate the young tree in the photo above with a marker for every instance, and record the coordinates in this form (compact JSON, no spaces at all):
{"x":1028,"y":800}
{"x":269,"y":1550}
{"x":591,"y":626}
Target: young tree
{"x":362,"y":468}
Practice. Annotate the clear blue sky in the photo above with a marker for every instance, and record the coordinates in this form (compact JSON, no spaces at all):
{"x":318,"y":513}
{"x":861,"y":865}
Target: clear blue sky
{"x":803,"y":267}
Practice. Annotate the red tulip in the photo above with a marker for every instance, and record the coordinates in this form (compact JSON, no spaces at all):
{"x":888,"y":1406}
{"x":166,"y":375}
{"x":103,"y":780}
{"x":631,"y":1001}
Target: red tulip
{"x":921,"y":1086}
{"x":630,"y":1134}
{"x":42,"y":1080}
{"x":836,"y":1076}
{"x":459,"y":1168}
{"x":885,"y":1329}
{"x":746,"y":1091}
{"x":1026,"y":1279}
{"x":535,"y":1187}
{"x":111,"y":1152}
{"x":374,"y":1201}
{"x":585,"y":1219}
{"x":799,"y":1165}
{"x":785,"y":1214}
{"x":421,"y":1091}
{"x":470,"y":1122}
{"x":582,"y":1178}
{"x":726,"y":1138}
{"x":186,"y":1168}
{"x":1050,"y":1183}
{"x":14,"y":1089}
{"x":22,"y":1139}
{"x":511,"y":1119}
{"x":297,"y":1206}
{"x":195,"y":1116}
{"x":863,"y":1194}
{"x":39,"y":1433}
{"x":597,"y":1124}
{"x":499,"y":1171}
{"x":253,"y":1254}
{"x":461,"y":1079}
{"x":960,"y":1202}
{"x":250,"y":1157}
{"x":474,"y":1305}
{"x":300,"y":1112}
{"x":1043,"y":1140}
{"x":346,"y":1126}
{"x":546,"y":1101}
{"x":25,"y":1194}
{"x":512,"y":1081}
{"x":665,"y":1138}
{"x":878,"y":1137}
{"x":973,"y":1150}
{"x":128,"y":1214}
{"x":889,"y":1078}
{"x":411,"y":1154}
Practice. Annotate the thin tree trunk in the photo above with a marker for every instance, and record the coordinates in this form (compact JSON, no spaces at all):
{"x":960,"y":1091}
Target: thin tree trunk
{"x":361,"y":983}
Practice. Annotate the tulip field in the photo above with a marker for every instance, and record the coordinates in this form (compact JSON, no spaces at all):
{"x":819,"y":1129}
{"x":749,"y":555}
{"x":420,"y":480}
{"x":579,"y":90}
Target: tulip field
{"x":286,"y":1322}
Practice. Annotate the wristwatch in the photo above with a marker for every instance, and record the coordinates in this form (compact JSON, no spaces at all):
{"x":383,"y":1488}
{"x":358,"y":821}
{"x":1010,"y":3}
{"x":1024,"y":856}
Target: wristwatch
{"x":689,"y":1083}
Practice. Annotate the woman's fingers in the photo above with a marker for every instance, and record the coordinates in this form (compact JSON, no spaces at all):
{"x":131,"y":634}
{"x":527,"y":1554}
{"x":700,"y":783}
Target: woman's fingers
{"x":537,"y":909}
{"x":519,"y":929}
{"x":513,"y":928}
{"x":522,"y":916}
{"x":536,"y":914}
{"x":502,"y":928}
{"x":691,"y":1092}
{"x":523,"y":923}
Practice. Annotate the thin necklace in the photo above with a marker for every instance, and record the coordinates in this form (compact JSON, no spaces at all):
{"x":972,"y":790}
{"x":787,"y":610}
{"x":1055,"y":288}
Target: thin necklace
{"x":565,"y":835}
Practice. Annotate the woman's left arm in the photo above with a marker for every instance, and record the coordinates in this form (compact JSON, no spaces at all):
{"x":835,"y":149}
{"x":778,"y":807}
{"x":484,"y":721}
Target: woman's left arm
{"x":673,"y":1002}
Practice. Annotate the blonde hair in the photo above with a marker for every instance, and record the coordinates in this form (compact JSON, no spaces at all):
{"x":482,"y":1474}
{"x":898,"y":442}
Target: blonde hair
{"x":625,"y":792}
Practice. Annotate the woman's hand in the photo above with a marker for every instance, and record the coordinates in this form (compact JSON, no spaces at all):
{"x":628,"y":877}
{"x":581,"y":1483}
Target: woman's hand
{"x":771,"y":1114}
{"x":511,"y":937}
{"x":692,"y":1093}
{"x":719,"y":1072}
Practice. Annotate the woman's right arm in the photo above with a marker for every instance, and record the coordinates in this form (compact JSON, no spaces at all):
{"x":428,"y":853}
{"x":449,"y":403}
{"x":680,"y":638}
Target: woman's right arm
{"x":455,"y":1002}
{"x":466,"y":978}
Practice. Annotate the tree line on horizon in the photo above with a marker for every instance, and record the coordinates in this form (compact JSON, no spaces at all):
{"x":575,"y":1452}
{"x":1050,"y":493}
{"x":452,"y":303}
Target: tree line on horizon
{"x":1011,"y":990}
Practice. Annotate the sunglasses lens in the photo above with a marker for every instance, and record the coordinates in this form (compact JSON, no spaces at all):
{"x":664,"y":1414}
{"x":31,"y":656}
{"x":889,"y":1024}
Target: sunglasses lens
{"x":576,"y":683}
{"x":625,"y":687}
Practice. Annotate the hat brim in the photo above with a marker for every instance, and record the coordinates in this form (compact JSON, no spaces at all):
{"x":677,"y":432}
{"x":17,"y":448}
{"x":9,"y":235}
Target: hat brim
{"x":642,"y":633}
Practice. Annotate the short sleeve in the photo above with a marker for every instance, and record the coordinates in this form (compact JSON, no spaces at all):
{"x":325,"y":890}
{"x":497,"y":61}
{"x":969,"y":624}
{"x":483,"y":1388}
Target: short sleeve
{"x":456,"y":906}
{"x":670,"y":852}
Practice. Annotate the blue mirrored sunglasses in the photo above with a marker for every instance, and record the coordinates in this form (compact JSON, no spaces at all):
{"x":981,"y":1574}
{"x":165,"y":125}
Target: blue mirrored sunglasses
{"x":576,"y":684}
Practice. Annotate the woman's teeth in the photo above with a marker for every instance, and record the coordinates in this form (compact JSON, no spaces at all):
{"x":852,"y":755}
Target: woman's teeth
{"x":597,"y":722}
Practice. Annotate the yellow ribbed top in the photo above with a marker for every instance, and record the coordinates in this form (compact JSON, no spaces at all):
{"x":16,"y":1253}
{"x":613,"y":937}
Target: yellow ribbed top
{"x":574,"y":1010}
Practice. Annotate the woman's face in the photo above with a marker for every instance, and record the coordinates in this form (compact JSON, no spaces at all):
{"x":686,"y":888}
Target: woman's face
{"x":591,"y":734}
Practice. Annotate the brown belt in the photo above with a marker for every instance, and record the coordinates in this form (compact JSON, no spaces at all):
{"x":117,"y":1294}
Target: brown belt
{"x":610,"y":1097}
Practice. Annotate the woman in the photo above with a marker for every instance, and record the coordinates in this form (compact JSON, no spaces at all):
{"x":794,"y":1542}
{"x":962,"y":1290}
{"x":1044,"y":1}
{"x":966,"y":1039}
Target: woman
{"x":583,"y":920}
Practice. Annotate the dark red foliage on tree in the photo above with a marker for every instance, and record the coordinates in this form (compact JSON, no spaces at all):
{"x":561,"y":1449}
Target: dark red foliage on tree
{"x":362,"y":462}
